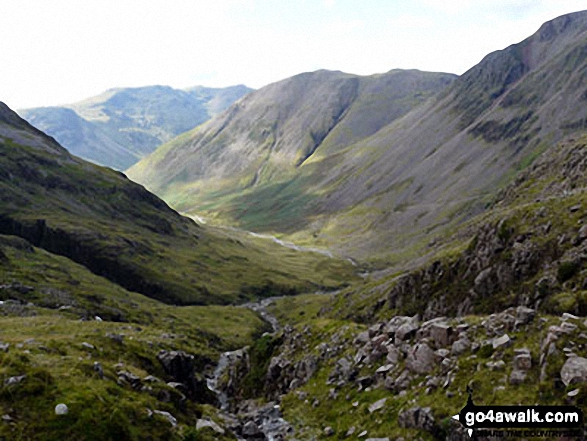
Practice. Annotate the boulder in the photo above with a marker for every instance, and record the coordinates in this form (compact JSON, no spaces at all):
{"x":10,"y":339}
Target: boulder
{"x":377,"y":405}
{"x":204,"y":423}
{"x":460,"y":346}
{"x":177,"y":364}
{"x":502,"y":342}
{"x":417,"y":418}
{"x":523,"y":362}
{"x":517,"y":377}
{"x":61,"y":409}
{"x":250,"y":429}
{"x":421,"y":359}
{"x":442,"y":334}
{"x":406,"y":331}
{"x":524,"y":315}
{"x":574,"y":371}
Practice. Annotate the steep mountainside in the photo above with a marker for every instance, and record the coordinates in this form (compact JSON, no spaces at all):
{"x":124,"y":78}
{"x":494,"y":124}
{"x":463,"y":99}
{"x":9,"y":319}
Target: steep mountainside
{"x":500,"y":313}
{"x":117,"y":229}
{"x":120,"y":126}
{"x":391,"y":189}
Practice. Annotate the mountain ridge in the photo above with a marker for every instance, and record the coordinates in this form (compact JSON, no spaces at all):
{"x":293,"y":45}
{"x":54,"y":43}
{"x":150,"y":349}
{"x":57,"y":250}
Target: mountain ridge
{"x":119,"y":126}
{"x":427,"y":170}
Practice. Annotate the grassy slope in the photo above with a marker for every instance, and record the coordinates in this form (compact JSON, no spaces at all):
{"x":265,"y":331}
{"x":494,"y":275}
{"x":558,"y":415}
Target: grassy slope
{"x":100,"y":219}
{"x":538,"y":215}
{"x":45,"y":296}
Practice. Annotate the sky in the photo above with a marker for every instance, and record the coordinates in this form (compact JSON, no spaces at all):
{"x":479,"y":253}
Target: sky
{"x":61,"y":51}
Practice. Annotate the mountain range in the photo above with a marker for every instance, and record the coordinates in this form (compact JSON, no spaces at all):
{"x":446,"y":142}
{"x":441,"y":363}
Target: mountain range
{"x":377,"y":167}
{"x":120,"y":126}
{"x":459,"y":204}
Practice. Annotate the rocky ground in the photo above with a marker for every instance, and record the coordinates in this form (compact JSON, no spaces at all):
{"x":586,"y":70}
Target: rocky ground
{"x":404,"y":378}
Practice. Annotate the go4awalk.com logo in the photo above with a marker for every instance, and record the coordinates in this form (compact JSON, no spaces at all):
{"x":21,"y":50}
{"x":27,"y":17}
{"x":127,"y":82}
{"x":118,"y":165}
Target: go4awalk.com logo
{"x":523,"y":421}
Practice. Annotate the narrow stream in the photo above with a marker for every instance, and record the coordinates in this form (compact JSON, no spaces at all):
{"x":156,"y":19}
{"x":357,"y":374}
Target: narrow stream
{"x":267,"y":419}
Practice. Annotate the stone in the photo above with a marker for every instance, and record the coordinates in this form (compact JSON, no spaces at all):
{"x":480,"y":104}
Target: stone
{"x":568,"y":328}
{"x":363,"y":337}
{"x":393,"y":354}
{"x":4,"y":346}
{"x":251,"y":429}
{"x":351,"y":431}
{"x":441,"y":354}
{"x":574,"y":393}
{"x":574,"y":371}
{"x":384,"y":369}
{"x":328,"y":431}
{"x":567,"y":316}
{"x":525,"y":315}
{"x":167,"y":416}
{"x":180,"y":366}
{"x":377,"y":439}
{"x":496,"y":365}
{"x":14,"y":380}
{"x":421,"y":359}
{"x":377,"y":405}
{"x":441,"y":333}
{"x":87,"y":345}
{"x":61,"y":409}
{"x":502,"y":342}
{"x":523,"y":362}
{"x":517,"y":377}
{"x":375,"y":329}
{"x":204,"y":423}
{"x":364,"y":381}
{"x":406,"y":331}
{"x":98,"y":369}
{"x":417,"y":418}
{"x":460,"y":346}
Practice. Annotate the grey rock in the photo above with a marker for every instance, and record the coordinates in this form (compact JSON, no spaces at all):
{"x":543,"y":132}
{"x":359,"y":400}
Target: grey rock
{"x":496,"y":365}
{"x":574,"y":371}
{"x":4,"y":346}
{"x":574,"y":393}
{"x":362,"y":337}
{"x":421,"y":359}
{"x":61,"y":409}
{"x":502,"y":342}
{"x":377,"y":405}
{"x":393,"y":354}
{"x":568,"y":328}
{"x":204,"y":423}
{"x":417,"y":418}
{"x":10,"y":381}
{"x":567,"y":316}
{"x":384,"y":369}
{"x":523,"y":362}
{"x":251,"y":429}
{"x":525,"y":315}
{"x":328,"y":431}
{"x":87,"y":345}
{"x":98,"y":369}
{"x":172,"y":420}
{"x":442,"y":334}
{"x":517,"y":377}
{"x":406,"y":331}
{"x":460,"y":346}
